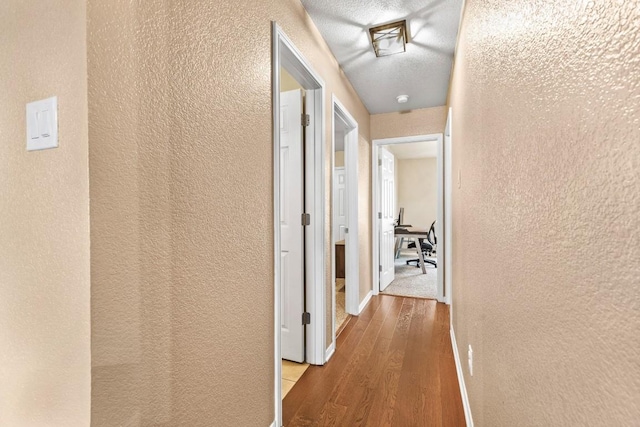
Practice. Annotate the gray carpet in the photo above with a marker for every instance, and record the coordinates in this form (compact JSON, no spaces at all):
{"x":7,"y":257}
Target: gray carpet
{"x":409,"y":280}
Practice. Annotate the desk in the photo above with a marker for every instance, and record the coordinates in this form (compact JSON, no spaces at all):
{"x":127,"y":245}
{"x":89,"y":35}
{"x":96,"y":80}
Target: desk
{"x":418,"y":234}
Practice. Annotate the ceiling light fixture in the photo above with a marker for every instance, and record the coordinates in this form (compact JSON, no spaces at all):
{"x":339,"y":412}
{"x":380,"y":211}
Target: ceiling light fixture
{"x":389,"y":39}
{"x":402,"y":99}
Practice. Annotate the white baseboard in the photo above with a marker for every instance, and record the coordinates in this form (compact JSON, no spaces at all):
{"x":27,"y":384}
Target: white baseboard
{"x":273,"y":424}
{"x":329,"y":352}
{"x":364,"y":302}
{"x":463,"y":387}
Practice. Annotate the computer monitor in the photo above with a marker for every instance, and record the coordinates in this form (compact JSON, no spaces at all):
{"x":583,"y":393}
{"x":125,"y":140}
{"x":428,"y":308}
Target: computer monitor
{"x":401,"y":217}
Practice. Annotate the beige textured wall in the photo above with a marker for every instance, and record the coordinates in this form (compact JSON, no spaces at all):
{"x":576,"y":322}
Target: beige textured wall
{"x":364,"y":216}
{"x":287,"y":82}
{"x":415,"y":122}
{"x":181,"y":203}
{"x":546,"y":101}
{"x":44,"y":219}
{"x":418,"y":190}
{"x":339,"y":159}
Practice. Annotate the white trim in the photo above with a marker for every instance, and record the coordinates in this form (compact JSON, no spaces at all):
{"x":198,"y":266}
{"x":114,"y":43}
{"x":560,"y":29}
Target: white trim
{"x":285,"y":54}
{"x":352,"y":253}
{"x":314,"y":234}
{"x":273,"y":424}
{"x":351,"y":165}
{"x":375,"y":201}
{"x":330,"y":351}
{"x":277,"y":348}
{"x":407,"y":139}
{"x":332,"y":165}
{"x":448,"y":216}
{"x":440,"y":254}
{"x":463,"y":387}
{"x":333,"y":240}
{"x":365,"y":301}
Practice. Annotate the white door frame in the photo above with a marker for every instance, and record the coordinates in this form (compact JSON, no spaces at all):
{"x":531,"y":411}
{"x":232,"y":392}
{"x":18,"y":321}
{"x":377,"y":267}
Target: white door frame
{"x":352,"y":279}
{"x":375,"y":176}
{"x":448,"y":219}
{"x":285,"y":54}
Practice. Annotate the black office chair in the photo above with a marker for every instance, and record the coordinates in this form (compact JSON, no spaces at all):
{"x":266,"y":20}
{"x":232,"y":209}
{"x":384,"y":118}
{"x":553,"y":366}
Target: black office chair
{"x":428,"y":247}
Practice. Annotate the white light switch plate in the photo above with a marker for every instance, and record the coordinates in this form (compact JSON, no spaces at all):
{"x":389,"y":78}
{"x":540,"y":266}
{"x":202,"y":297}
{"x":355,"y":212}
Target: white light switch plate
{"x":42,"y":124}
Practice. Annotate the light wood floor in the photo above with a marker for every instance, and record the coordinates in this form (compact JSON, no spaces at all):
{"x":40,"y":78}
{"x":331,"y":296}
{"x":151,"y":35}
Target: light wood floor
{"x":393,"y":367}
{"x":291,"y":373}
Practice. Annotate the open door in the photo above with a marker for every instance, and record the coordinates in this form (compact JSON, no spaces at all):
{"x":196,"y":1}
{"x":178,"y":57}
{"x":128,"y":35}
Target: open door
{"x":387,"y":208}
{"x":291,"y":228}
{"x":340,"y":204}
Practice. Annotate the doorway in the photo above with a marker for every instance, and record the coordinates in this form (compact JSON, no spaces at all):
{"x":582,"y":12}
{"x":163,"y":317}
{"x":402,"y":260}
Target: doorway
{"x":344,"y":234}
{"x":420,"y":268}
{"x":298,"y":211}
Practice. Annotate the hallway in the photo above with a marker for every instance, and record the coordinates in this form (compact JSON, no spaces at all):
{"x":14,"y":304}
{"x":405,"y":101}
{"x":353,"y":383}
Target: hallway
{"x":393,"y":367}
{"x":141,"y":214}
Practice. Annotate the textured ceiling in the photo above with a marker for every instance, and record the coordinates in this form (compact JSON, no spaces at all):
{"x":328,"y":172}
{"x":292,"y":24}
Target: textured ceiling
{"x":422,"y":72}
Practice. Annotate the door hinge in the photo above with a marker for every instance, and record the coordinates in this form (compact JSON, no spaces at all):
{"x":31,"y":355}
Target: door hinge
{"x":306,"y":120}
{"x":346,"y":230}
{"x":380,"y":268}
{"x":379,"y":215}
{"x":379,"y":162}
{"x":306,"y":219}
{"x":306,"y":318}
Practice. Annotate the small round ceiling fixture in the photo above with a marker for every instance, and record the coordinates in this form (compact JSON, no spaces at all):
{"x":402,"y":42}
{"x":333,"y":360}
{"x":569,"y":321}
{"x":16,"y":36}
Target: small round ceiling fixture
{"x":402,"y":99}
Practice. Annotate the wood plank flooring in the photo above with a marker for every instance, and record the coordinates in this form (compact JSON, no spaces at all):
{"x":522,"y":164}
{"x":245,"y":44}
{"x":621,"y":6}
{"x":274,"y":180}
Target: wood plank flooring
{"x":393,"y":366}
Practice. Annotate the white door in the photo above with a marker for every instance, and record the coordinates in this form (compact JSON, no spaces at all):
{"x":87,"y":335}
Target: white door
{"x":340,"y":204}
{"x":387,"y":236}
{"x":291,"y":209}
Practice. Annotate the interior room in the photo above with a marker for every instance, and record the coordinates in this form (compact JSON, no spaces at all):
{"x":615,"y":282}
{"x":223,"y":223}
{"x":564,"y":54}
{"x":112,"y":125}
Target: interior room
{"x":415,"y":192}
{"x":340,"y":221}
